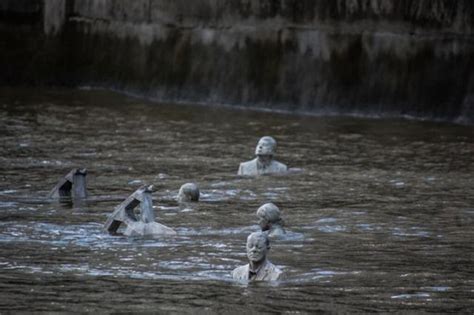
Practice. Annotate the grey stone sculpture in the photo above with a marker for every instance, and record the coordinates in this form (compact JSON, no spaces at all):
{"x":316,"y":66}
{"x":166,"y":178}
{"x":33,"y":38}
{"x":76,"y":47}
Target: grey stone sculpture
{"x":188,"y":192}
{"x":71,"y":185}
{"x":264,"y":162}
{"x":138,"y":224}
{"x":259,"y":267}
{"x":270,"y":220}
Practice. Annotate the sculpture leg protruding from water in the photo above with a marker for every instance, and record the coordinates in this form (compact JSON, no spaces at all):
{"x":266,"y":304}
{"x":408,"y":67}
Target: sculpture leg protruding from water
{"x":73,"y":184}
{"x":142,"y":224}
{"x":124,"y":212}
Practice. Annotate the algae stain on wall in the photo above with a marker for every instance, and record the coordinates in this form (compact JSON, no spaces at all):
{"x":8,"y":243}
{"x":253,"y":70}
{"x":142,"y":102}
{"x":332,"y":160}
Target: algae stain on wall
{"x":54,"y":16}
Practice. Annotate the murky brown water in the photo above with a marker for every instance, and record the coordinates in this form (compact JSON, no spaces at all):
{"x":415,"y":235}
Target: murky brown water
{"x":380,"y":218}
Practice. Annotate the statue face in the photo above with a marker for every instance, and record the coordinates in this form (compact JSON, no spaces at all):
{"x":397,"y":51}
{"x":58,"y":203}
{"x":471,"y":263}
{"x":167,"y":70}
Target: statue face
{"x":256,"y":247}
{"x":265,"y":146}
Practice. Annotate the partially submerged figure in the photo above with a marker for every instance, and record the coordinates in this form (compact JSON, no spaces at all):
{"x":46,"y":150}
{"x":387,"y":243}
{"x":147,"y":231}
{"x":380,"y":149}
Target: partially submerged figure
{"x":270,"y":220}
{"x":188,"y":192}
{"x":138,"y":224}
{"x":264,"y":162}
{"x":73,"y":184}
{"x":259,"y":267}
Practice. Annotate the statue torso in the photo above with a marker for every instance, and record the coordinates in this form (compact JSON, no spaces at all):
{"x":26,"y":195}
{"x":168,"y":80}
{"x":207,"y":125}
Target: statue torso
{"x":268,"y":272}
{"x":252,"y":168}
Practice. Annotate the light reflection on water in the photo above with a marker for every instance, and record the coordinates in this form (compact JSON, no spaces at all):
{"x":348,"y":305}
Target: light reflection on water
{"x":379,"y":213}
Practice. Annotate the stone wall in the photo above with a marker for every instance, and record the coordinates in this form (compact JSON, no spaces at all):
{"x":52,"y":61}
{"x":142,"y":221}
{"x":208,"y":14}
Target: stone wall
{"x":20,"y":39}
{"x":393,"y":57}
{"x":54,"y":16}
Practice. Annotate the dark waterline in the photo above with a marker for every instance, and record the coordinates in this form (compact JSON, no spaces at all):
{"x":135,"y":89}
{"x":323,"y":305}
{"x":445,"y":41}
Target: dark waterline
{"x":379,"y":216}
{"x":324,"y":112}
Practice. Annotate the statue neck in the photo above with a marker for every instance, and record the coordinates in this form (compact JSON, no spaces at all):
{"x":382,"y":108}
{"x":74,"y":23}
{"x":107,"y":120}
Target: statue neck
{"x":255,"y":266}
{"x":264,"y":161}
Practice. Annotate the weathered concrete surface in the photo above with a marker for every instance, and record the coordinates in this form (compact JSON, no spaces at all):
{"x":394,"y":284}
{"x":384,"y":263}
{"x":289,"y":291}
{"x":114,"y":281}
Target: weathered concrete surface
{"x":344,"y":56}
{"x":54,"y":16}
{"x":20,"y":38}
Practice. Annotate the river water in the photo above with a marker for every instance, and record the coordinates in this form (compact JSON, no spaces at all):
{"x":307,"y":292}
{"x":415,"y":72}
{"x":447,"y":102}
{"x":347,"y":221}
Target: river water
{"x":379,"y":212}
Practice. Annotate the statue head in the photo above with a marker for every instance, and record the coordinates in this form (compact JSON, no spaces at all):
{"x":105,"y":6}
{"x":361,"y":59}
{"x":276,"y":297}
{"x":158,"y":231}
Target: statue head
{"x":257,"y":247}
{"x":268,"y":215}
{"x":188,"y":192}
{"x":266,"y":146}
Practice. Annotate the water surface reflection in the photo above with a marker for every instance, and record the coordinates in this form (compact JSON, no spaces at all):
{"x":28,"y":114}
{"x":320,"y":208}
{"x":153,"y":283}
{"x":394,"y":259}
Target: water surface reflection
{"x":379,"y":214}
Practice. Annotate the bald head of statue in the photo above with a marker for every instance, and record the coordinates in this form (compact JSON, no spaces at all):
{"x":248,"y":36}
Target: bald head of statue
{"x":268,"y":215}
{"x":188,"y":192}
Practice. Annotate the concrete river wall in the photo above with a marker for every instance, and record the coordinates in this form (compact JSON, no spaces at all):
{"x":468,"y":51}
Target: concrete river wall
{"x":383,"y":57}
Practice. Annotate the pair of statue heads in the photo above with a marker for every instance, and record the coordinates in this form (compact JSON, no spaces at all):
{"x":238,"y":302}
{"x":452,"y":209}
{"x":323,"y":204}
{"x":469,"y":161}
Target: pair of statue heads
{"x":259,"y":267}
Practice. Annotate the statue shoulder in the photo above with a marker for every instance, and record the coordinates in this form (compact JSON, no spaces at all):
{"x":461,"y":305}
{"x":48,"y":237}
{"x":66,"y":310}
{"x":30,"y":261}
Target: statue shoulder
{"x":272,"y":267}
{"x":276,"y":231}
{"x":280,"y":166}
{"x":249,"y":163}
{"x":240,"y":273}
{"x":248,"y":167}
{"x":273,"y":272}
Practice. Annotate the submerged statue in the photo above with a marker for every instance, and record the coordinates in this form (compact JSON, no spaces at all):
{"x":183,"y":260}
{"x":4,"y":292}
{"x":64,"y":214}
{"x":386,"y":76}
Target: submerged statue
{"x":270,"y":220}
{"x":73,"y":184}
{"x":188,"y":192}
{"x":138,"y":224}
{"x":264,"y":162}
{"x":259,"y":267}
